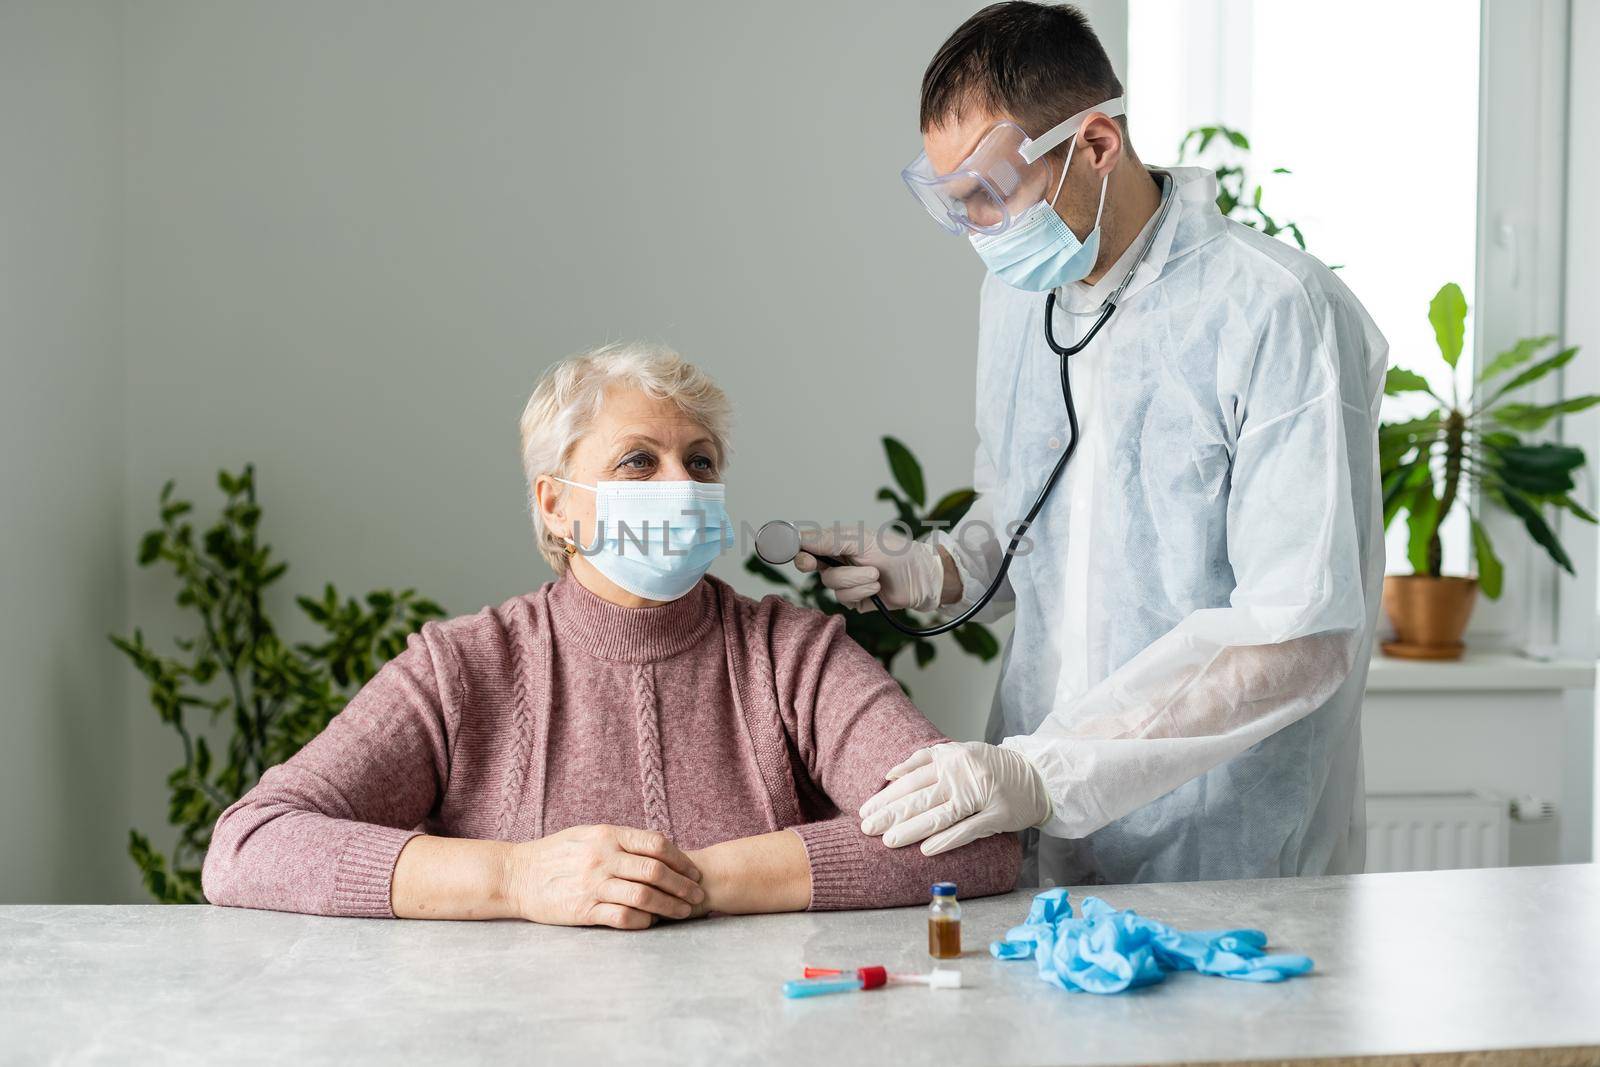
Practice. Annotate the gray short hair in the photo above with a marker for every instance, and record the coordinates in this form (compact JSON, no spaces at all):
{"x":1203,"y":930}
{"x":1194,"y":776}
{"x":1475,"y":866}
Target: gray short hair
{"x":569,"y":395}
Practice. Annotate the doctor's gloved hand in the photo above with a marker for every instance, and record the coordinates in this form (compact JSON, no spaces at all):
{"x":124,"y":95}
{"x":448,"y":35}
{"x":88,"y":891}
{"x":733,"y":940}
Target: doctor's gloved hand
{"x":954,"y":793}
{"x":906,"y":573}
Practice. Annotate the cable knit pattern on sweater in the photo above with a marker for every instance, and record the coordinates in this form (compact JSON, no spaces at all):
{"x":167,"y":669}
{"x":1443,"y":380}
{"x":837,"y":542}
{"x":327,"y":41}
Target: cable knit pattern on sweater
{"x":652,"y":786}
{"x":521,"y":739}
{"x":710,"y":718}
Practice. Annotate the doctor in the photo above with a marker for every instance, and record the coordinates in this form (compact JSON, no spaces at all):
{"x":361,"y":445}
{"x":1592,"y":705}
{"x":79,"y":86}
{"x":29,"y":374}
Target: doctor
{"x":1195,"y":605}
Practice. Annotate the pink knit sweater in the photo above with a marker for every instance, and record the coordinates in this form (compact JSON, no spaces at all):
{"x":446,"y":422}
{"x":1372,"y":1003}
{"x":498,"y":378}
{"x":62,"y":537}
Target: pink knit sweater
{"x":711,"y":718}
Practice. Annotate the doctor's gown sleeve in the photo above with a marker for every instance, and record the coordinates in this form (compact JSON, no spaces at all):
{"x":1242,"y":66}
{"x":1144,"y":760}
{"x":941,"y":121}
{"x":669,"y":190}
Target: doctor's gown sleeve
{"x":1226,"y":677}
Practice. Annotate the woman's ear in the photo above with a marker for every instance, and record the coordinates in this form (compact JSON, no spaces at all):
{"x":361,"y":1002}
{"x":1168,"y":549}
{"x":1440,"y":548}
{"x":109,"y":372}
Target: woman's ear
{"x":551,"y":502}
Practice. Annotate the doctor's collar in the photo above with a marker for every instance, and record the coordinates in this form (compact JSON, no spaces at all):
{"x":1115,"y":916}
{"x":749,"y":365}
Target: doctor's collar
{"x":1079,"y":298}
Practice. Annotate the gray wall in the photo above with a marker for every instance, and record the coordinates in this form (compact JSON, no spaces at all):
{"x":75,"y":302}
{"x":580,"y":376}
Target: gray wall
{"x":355,"y":233}
{"x":61,"y":447}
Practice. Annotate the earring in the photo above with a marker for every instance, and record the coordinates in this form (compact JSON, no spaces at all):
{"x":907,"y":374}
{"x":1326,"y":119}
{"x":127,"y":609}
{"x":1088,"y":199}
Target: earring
{"x":570,"y":549}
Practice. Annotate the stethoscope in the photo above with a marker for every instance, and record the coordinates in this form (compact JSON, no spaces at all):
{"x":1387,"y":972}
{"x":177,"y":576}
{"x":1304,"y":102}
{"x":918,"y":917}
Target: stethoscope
{"x":778,"y":541}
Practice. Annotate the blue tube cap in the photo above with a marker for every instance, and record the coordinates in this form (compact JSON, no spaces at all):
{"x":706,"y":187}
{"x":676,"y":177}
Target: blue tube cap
{"x":944,"y":889}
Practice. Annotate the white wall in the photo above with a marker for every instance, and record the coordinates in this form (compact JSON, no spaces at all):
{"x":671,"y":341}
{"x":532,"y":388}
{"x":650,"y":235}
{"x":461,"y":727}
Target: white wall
{"x":356,"y":234}
{"x":61,"y":833}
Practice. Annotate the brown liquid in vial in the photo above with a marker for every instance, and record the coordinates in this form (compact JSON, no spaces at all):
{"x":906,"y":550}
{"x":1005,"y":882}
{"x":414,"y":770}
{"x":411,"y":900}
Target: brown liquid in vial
{"x":944,"y":938}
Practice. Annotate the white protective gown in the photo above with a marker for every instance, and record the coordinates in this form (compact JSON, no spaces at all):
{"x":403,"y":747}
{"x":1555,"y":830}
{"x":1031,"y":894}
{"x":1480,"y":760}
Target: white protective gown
{"x":1194,"y":620}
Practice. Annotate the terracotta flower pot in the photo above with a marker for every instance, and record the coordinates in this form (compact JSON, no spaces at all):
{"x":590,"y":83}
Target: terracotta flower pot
{"x":1429,"y":615}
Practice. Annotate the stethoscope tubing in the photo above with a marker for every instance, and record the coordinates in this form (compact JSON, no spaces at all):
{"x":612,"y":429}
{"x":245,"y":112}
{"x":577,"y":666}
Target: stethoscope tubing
{"x":1064,"y":352}
{"x":1038,"y":502}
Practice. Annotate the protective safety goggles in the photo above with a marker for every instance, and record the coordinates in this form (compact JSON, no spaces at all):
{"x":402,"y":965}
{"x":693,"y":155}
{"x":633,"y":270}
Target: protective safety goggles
{"x":1003,"y":177}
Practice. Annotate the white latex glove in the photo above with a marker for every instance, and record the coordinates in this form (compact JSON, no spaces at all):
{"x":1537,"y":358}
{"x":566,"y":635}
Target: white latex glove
{"x":906,"y":573}
{"x":957,"y":792}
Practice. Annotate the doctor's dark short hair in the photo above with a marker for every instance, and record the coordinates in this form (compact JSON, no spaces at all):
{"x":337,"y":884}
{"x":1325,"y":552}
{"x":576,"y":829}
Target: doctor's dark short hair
{"x":1038,"y":63}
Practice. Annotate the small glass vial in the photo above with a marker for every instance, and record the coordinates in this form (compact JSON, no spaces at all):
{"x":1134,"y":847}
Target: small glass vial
{"x":944,"y":922}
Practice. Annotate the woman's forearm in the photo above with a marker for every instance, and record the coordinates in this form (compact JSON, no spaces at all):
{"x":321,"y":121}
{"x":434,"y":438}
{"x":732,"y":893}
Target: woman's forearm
{"x":451,"y":878}
{"x":582,"y":876}
{"x":753,"y":875}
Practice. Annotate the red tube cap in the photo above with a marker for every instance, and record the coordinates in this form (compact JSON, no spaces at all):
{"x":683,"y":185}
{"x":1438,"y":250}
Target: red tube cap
{"x":872,"y":977}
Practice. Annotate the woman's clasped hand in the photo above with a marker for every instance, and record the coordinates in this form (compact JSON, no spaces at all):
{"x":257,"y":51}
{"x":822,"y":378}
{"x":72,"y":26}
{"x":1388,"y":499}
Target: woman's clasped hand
{"x":616,"y":876}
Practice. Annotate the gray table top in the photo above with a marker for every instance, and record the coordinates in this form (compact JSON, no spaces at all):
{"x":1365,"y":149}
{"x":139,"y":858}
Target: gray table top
{"x":1430,"y":963}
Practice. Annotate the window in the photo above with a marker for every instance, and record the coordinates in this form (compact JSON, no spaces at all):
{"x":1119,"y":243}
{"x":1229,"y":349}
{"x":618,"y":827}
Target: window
{"x":1315,"y":87}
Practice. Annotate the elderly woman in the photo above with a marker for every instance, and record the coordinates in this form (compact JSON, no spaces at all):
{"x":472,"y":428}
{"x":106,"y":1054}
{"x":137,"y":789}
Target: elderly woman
{"x":633,"y":741}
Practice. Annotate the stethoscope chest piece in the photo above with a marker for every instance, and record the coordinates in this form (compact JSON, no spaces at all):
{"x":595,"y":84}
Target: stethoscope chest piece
{"x":778,"y":542}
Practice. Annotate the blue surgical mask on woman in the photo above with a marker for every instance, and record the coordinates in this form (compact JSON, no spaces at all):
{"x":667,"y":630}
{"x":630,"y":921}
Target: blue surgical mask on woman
{"x":1039,"y":251}
{"x":655,"y":539}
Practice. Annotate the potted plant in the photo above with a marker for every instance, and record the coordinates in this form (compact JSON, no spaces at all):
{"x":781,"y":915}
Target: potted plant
{"x":1469,"y":448}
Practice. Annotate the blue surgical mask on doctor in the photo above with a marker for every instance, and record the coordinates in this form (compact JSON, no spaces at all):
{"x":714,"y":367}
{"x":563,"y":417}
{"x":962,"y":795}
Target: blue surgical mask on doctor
{"x":655,"y":539}
{"x":1039,"y":251}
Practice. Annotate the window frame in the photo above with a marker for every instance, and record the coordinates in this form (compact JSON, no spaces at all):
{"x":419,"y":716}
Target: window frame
{"x":1520,"y":292}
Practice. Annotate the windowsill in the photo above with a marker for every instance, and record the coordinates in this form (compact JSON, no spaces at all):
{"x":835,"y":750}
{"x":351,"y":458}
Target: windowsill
{"x":1478,"y":672}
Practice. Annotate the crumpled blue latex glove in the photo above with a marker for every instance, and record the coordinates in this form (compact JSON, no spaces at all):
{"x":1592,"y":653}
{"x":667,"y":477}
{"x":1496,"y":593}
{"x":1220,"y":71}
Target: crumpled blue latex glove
{"x":1110,"y":951}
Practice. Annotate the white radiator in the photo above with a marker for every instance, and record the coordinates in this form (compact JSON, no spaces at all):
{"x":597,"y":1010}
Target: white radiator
{"x":1436,"y":831}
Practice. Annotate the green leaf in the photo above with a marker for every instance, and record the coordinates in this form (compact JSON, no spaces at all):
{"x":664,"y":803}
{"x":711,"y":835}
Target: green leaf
{"x":1399,"y":380}
{"x":1577,"y":510}
{"x":1491,"y":573}
{"x":1399,"y":485}
{"x":424,"y":608}
{"x":1515,"y":356}
{"x":925,"y":652}
{"x":1423,"y":523}
{"x":1537,"y":528}
{"x":1528,"y":417}
{"x":150,"y":547}
{"x":1540,"y":470}
{"x":1543,"y":457}
{"x":952,"y":507}
{"x":1430,"y":424}
{"x":1499,"y":439}
{"x":1448,"y":314}
{"x":1238,"y":139}
{"x":975,"y":639}
{"x":904,"y":511}
{"x":1535,"y":372}
{"x":907,"y":471}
